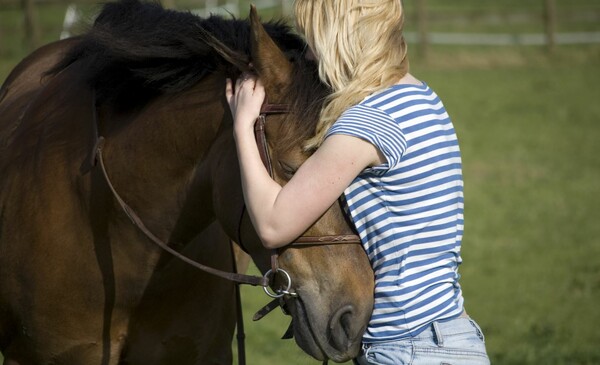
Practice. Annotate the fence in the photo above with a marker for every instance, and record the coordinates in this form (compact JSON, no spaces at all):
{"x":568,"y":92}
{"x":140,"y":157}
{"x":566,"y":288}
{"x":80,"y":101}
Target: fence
{"x":229,"y":7}
{"x":420,"y":15}
{"x":234,"y":7}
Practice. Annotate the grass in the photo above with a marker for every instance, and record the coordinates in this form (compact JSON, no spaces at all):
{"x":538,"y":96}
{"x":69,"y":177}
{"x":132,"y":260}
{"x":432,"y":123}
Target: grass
{"x":529,"y":128}
{"x":529,"y":137}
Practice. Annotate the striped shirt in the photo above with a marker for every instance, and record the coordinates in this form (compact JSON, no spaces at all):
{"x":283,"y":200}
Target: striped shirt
{"x":408,"y":211}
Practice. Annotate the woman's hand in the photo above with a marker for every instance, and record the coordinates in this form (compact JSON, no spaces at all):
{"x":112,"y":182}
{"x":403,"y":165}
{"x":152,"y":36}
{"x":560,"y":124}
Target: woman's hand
{"x":245,"y":101}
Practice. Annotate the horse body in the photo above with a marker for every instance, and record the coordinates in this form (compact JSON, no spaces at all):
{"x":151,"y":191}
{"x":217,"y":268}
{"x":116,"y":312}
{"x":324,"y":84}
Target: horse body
{"x":186,"y":316}
{"x":83,"y":267}
{"x":79,"y":283}
{"x":73,"y":270}
{"x":35,"y":238}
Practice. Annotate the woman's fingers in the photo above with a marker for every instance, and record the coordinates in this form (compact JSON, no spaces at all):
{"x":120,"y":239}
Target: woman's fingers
{"x":246,"y":97}
{"x":228,"y":89}
{"x":247,"y":80}
{"x":258,"y":84}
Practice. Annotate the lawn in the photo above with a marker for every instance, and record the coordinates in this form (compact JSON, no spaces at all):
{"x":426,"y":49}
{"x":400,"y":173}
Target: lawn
{"x":529,"y":129}
{"x":530,"y":137}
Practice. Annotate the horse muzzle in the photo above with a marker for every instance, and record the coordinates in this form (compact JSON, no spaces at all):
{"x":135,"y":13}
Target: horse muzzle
{"x":327,"y":334}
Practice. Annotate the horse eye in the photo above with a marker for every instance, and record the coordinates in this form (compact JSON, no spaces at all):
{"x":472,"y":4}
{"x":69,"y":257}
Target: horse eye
{"x":288,"y":169}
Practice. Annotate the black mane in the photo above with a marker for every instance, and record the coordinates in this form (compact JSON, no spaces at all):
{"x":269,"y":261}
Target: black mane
{"x":139,"y":48}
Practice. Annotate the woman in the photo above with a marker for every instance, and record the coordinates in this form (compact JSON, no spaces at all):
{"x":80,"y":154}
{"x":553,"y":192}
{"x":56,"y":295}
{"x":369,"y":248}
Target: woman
{"x":386,"y":143}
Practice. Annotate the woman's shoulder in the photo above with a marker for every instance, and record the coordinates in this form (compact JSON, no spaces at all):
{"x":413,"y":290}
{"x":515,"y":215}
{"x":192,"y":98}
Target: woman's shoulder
{"x":396,"y":92}
{"x":409,"y":79}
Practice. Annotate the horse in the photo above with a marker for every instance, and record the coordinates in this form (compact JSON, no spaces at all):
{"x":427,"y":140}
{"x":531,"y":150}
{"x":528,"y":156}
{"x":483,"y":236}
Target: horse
{"x":186,"y":316}
{"x":176,"y":321}
{"x":78,"y":280}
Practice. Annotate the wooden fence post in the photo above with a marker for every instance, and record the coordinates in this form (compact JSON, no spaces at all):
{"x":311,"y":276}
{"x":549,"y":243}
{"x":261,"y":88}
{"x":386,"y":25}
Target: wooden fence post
{"x":422,"y":26}
{"x":169,"y":4}
{"x":286,"y":7}
{"x":550,"y":23}
{"x":32,"y":30}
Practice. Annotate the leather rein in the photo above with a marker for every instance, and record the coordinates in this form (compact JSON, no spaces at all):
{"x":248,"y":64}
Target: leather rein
{"x":261,"y":140}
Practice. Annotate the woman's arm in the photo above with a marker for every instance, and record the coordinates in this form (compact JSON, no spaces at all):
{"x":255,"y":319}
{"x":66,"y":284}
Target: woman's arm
{"x":281,"y":214}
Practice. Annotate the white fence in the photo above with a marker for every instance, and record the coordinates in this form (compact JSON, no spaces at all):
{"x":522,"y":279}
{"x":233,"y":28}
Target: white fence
{"x":505,"y":39}
{"x":233,"y":7}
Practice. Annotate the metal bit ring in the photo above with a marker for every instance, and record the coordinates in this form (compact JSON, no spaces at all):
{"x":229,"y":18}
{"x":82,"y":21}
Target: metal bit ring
{"x":279,"y":292}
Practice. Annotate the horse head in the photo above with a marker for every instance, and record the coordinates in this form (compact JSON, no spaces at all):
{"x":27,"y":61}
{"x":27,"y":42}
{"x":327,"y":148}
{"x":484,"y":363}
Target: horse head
{"x":333,"y":282}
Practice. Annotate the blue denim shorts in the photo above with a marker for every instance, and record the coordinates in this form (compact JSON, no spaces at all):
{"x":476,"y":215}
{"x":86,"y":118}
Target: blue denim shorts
{"x":458,"y":341}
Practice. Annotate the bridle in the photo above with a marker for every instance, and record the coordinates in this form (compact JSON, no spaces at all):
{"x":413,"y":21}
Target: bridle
{"x":268,"y":278}
{"x":263,"y":149}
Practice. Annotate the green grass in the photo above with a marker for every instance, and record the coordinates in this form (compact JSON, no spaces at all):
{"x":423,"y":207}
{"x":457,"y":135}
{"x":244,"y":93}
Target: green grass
{"x":530,"y":140}
{"x":529,"y":128}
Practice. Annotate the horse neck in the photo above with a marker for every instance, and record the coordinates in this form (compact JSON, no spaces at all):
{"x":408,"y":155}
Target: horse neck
{"x":156,"y":158}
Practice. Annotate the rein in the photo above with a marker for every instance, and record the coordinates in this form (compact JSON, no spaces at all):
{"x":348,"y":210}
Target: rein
{"x":137,"y":221}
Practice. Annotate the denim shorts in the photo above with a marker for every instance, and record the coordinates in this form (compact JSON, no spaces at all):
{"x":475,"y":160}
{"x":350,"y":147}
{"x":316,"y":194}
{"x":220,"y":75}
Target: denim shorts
{"x":458,"y":341}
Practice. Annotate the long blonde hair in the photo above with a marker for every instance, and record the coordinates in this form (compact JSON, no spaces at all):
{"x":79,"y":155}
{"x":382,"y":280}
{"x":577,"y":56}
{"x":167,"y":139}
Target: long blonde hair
{"x":360,"y":49}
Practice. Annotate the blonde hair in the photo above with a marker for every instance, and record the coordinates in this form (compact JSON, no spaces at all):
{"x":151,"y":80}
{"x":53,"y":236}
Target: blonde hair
{"x":360,"y":49}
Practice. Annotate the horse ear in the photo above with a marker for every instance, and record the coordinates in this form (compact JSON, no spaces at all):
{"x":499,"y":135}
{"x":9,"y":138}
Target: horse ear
{"x":268,"y":60}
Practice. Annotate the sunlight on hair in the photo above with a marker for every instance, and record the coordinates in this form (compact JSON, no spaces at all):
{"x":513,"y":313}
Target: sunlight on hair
{"x":352,"y":61}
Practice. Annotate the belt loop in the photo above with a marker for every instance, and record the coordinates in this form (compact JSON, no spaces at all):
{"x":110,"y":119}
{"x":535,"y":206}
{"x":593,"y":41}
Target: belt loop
{"x":439,"y":338}
{"x":365,"y":349}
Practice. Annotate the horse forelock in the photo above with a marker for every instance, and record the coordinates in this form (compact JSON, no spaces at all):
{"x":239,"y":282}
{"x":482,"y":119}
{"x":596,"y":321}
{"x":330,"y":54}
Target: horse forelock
{"x":306,"y":94}
{"x":139,"y":48}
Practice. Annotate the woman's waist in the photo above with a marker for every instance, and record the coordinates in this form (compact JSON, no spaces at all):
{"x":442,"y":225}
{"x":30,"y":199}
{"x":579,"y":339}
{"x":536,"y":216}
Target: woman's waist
{"x":392,"y":320}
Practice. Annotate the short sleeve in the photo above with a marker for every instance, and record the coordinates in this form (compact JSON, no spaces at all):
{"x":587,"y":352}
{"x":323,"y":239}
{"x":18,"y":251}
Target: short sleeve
{"x":374,"y":126}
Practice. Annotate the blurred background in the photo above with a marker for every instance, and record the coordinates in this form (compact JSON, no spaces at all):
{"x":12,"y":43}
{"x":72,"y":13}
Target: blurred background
{"x":521,"y":81}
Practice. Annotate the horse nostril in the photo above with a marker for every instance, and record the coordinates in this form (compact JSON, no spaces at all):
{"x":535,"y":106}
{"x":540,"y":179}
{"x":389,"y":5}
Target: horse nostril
{"x":341,"y":329}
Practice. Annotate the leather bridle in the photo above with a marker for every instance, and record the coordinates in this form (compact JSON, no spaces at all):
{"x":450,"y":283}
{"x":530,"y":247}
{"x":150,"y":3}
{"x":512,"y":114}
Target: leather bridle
{"x":263,"y":149}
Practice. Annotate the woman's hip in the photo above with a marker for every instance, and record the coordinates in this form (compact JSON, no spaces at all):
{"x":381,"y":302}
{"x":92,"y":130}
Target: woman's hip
{"x":455,"y":341}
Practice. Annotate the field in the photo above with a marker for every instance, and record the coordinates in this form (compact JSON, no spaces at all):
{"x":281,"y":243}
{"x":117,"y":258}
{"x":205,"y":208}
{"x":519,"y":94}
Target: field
{"x":529,"y":128}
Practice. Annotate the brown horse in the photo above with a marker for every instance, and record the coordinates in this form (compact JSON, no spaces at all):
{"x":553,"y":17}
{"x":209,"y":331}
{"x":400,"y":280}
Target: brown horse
{"x":187,"y":316}
{"x":79,"y":283}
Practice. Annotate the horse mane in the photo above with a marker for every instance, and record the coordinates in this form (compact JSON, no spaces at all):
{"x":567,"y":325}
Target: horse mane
{"x":136,"y":50}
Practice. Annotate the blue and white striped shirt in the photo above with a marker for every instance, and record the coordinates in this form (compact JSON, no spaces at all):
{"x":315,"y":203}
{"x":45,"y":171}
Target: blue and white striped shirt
{"x":408,"y":211}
